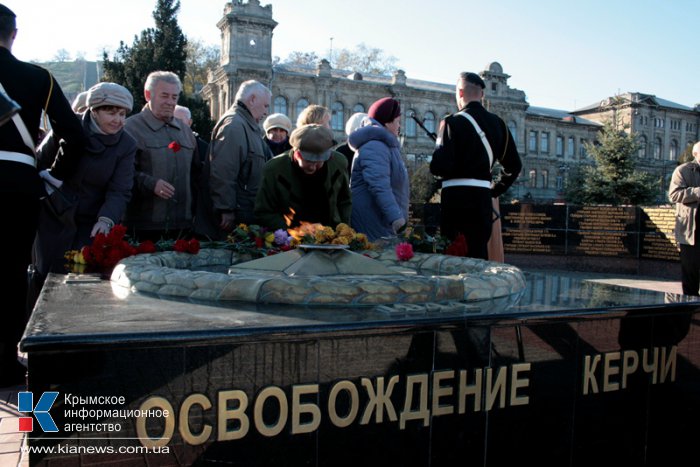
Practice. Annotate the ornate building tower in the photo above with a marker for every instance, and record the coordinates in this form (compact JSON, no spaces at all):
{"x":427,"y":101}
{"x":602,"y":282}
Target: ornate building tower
{"x":246,"y":52}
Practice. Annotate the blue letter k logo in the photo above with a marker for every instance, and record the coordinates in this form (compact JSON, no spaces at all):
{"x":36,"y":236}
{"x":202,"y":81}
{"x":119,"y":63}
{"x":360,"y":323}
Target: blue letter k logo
{"x":25,"y":403}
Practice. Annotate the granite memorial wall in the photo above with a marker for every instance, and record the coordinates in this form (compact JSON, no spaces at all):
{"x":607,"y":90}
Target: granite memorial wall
{"x":614,"y":231}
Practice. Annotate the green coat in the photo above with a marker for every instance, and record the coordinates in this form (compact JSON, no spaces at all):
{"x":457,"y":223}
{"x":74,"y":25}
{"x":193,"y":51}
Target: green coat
{"x":280,"y":189}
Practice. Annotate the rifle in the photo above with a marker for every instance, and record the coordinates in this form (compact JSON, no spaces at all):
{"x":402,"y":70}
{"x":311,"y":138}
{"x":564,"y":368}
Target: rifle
{"x":432,"y":135}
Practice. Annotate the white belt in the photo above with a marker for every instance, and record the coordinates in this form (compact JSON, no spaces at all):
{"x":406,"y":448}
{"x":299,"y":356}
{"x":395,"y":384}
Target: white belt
{"x":466,"y":182}
{"x":17,"y":157}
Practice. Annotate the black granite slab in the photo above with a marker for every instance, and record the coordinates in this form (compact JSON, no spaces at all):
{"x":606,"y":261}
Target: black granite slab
{"x":543,"y":399}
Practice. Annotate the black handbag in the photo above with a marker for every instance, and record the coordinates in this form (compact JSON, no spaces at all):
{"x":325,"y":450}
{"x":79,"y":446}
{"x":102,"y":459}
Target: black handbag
{"x":60,"y":204}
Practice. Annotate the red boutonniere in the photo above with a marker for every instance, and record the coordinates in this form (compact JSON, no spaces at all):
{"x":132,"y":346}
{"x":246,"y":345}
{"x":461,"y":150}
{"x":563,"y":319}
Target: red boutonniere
{"x":174,"y":146}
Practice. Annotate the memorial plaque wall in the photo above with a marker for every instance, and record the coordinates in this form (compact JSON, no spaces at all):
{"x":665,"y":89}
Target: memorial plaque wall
{"x":658,"y":241}
{"x":531,"y":228}
{"x":601,"y":231}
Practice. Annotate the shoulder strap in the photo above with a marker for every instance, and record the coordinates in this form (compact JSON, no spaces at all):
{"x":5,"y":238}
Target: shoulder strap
{"x":46,"y":106}
{"x":21,"y":127}
{"x":481,"y":134}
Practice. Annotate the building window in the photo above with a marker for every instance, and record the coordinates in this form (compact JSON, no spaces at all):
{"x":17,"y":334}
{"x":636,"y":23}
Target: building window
{"x":513,"y":127}
{"x":659,"y":123}
{"x":560,"y":146}
{"x":642,"y":147}
{"x":533,"y":179}
{"x":657,"y":148}
{"x":410,"y":127}
{"x":337,"y":117}
{"x":429,"y":121}
{"x":673,"y":150}
{"x":545,"y":179}
{"x":582,"y":149}
{"x":544,"y":143}
{"x":280,"y":105}
{"x":301,"y":105}
{"x":570,"y":147}
{"x":532,"y":142}
{"x":358,"y":108}
{"x":560,"y":183}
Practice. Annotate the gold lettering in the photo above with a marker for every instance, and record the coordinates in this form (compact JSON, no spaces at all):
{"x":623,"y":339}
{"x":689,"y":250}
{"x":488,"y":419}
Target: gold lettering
{"x":651,"y":366}
{"x":496,"y":388}
{"x":169,"y":428}
{"x":609,"y":369}
{"x":517,"y":383}
{"x":422,"y":413}
{"x":668,"y":364}
{"x":589,"y":379}
{"x":337,"y":420}
{"x":630,"y":363}
{"x":184,"y":420}
{"x":378,"y":400}
{"x":442,"y":391}
{"x":278,"y":425}
{"x":298,"y":408}
{"x":238,"y":413}
{"x":472,"y":389}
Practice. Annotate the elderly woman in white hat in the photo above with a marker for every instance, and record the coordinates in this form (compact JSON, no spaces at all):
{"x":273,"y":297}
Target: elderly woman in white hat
{"x":277,"y":129}
{"x":97,"y":193}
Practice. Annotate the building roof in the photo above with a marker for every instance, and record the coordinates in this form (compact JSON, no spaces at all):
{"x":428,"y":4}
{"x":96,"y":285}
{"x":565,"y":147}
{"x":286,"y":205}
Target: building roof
{"x":636,"y":97}
{"x":303,"y":70}
{"x":562,"y":115}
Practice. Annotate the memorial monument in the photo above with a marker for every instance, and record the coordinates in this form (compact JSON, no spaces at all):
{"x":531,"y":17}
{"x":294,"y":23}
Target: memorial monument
{"x":149,"y":369}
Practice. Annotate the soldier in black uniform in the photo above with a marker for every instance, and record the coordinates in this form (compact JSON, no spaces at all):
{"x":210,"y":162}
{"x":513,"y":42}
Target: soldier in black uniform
{"x":34,"y":89}
{"x":468,"y":144}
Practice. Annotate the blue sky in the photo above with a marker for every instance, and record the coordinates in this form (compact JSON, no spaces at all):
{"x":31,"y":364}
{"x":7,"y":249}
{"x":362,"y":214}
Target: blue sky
{"x":563,"y":54}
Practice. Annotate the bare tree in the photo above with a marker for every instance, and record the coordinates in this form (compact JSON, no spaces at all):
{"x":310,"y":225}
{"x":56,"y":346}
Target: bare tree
{"x":62,"y":55}
{"x":365,"y":60}
{"x":201,"y":58}
{"x":302,"y":58}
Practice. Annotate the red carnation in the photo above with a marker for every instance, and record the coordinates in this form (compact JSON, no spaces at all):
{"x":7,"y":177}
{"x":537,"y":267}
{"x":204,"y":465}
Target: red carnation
{"x":458,"y":247}
{"x":147,"y":247}
{"x":193,"y":246}
{"x":174,"y":146}
{"x":181,"y":246}
{"x":404,"y":251}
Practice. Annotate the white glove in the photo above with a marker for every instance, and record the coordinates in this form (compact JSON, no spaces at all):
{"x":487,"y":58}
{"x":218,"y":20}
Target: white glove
{"x":103,"y":226}
{"x":397,"y":224}
{"x":46,"y":175}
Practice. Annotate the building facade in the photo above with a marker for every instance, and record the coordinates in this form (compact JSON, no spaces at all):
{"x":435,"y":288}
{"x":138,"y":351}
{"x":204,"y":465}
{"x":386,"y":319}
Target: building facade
{"x":550,"y":141}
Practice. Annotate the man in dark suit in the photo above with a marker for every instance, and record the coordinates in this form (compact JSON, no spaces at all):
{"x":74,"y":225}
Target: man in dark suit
{"x":34,"y":89}
{"x":468,"y":144}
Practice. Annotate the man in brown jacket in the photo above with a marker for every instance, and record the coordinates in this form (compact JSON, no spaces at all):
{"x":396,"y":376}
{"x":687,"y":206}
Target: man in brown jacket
{"x":167,"y":163}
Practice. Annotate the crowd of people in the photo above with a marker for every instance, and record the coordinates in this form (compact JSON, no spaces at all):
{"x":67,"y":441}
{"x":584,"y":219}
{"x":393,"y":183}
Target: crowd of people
{"x":98,"y":167}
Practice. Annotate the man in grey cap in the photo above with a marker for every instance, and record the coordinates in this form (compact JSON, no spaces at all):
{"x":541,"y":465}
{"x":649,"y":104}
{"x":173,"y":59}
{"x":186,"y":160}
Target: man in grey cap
{"x":469,"y":142}
{"x":34,"y":89}
{"x":308,"y":183}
